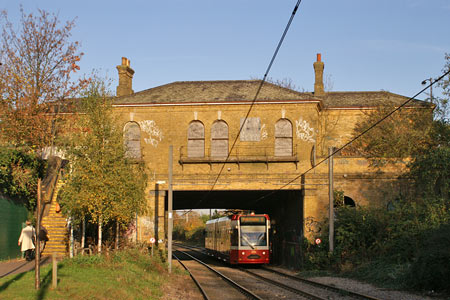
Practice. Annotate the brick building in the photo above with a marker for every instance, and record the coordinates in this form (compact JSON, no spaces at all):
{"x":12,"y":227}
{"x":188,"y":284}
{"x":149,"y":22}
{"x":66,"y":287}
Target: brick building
{"x":284,"y":135}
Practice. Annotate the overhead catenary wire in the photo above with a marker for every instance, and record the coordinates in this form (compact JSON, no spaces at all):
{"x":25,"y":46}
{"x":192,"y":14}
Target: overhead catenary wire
{"x":336,"y":150}
{"x":272,"y":60}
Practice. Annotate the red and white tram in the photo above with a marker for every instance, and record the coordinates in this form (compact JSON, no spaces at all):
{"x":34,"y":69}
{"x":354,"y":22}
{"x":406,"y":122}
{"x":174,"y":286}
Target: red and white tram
{"x":239,"y":238}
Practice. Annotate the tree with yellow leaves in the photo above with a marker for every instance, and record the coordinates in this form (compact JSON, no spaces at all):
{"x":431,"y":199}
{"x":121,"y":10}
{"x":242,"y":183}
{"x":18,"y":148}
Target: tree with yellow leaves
{"x":103,"y":183}
{"x":37,"y":61}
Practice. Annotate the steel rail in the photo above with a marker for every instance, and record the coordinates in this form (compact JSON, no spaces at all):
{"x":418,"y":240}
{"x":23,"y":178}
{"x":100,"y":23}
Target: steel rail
{"x":205,"y":296}
{"x":310,"y":282}
{"x":284,"y":286}
{"x":234,"y":284}
{"x":321,"y":285}
{"x":273,"y":282}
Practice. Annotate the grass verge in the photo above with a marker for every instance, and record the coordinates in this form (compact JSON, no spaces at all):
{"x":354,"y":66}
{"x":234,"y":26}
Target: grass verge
{"x":127,"y":274}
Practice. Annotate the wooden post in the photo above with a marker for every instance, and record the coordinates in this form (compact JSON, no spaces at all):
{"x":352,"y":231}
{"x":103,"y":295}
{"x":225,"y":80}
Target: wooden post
{"x":116,"y":242}
{"x":54,"y":271}
{"x":37,"y":259}
{"x":170,"y":217}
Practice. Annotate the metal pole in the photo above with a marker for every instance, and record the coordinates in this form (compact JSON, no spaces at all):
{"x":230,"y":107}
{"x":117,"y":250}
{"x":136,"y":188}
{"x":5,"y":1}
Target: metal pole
{"x":170,"y":212}
{"x":331,"y":198}
{"x":37,"y":273}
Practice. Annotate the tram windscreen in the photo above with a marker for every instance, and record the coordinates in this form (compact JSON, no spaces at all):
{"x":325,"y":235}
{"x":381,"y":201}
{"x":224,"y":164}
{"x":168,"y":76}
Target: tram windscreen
{"x":253,"y":235}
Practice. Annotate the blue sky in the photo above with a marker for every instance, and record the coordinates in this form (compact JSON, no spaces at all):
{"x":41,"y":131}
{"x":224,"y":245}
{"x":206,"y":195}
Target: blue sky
{"x":366,"y":45}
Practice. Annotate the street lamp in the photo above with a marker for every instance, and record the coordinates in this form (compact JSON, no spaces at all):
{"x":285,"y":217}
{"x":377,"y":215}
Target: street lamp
{"x":424,"y":82}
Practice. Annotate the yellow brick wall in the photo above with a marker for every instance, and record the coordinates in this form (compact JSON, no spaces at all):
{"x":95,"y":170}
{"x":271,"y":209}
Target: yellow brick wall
{"x":165,"y":125}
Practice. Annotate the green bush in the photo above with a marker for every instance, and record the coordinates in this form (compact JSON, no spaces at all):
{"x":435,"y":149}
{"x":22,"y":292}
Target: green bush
{"x":19,"y":172}
{"x":359,"y":233}
{"x":87,"y":260}
{"x":316,"y":256}
{"x":179,"y":233}
{"x":409,"y":220}
{"x":364,"y":235}
{"x":430,"y":269}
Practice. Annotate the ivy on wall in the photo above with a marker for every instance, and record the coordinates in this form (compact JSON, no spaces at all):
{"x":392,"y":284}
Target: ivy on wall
{"x":19,"y":172}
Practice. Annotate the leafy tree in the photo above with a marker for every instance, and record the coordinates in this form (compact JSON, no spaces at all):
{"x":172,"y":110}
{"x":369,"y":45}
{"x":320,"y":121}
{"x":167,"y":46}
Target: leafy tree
{"x":409,"y":132}
{"x":19,"y":173}
{"x":37,"y":61}
{"x":431,"y":169}
{"x":402,"y":135}
{"x":102,"y":182}
{"x":443,"y":103}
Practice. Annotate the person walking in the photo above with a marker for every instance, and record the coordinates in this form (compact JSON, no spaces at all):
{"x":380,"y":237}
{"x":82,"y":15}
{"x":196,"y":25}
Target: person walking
{"x":26,"y":239}
{"x":43,"y":238}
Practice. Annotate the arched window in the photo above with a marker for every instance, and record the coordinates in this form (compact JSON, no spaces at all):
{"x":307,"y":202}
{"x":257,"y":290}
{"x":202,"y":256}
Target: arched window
{"x":196,"y":139}
{"x":219,"y":139}
{"x":349,"y":201}
{"x":283,"y":138}
{"x":132,"y":140}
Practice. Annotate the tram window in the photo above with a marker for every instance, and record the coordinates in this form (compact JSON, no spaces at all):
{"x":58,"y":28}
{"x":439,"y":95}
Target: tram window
{"x":253,"y":236}
{"x":234,"y":237}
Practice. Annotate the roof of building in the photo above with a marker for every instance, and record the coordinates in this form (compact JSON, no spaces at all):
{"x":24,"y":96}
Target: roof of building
{"x":245,"y":90}
{"x":367,"y":99}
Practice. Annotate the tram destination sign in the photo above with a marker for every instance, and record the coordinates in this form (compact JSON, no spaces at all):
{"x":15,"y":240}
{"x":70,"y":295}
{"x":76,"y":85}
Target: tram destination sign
{"x":253,"y":220}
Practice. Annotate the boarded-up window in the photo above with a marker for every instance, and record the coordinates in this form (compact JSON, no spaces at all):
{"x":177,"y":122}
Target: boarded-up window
{"x":219,"y":139}
{"x":251,"y":131}
{"x":132,"y":140}
{"x":196,"y":139}
{"x":283,"y":138}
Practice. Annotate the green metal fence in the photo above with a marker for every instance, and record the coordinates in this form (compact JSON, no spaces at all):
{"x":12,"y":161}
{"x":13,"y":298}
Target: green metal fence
{"x":12,"y":217}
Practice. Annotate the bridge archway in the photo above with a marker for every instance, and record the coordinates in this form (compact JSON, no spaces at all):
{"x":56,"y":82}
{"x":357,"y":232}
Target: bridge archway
{"x":284,"y":207}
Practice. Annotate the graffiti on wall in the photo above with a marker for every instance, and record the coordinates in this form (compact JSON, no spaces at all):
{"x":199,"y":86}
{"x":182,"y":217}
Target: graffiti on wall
{"x":155,"y":134}
{"x":311,"y":225}
{"x":304,"y":131}
{"x":263,"y":132}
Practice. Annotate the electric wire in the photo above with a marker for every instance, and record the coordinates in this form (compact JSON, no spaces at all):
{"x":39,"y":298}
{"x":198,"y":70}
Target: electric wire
{"x":253,"y":101}
{"x":336,"y":150}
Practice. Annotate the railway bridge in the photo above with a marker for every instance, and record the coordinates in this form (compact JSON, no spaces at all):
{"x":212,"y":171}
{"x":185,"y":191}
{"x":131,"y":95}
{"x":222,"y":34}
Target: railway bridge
{"x":261,"y":167}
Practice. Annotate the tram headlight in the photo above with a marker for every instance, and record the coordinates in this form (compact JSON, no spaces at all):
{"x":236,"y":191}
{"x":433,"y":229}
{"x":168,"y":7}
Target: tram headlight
{"x":243,"y":253}
{"x":264,"y":252}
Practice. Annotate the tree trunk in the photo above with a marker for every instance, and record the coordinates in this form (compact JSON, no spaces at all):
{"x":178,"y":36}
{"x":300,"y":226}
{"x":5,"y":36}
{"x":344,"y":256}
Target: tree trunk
{"x":71,"y":245}
{"x":99,"y":235}
{"x":83,"y":232}
{"x":117,"y":235}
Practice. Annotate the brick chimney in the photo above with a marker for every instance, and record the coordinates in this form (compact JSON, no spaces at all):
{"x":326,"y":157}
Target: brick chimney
{"x":125,"y":78}
{"x":318,"y":70}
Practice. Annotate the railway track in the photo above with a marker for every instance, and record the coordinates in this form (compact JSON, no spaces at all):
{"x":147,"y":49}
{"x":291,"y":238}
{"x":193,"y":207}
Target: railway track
{"x":206,"y":282}
{"x":307,"y":288}
{"x":321,"y":285}
{"x":303,"y":288}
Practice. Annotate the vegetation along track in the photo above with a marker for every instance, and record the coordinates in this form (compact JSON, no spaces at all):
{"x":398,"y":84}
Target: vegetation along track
{"x":302,"y":287}
{"x":211,"y":284}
